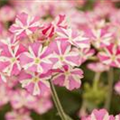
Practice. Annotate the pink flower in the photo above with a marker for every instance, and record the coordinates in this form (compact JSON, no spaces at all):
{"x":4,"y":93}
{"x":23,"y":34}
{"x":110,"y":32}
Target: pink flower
{"x":100,"y":37}
{"x":84,"y":54}
{"x":99,"y":115}
{"x":35,"y":83}
{"x":24,"y":25}
{"x":68,"y":77}
{"x":63,"y":54}
{"x":37,"y":59}
{"x":18,"y":115}
{"x":98,"y":67}
{"x":60,"y":21}
{"x":110,"y":56}
{"x":117,"y":87}
{"x":48,"y":31}
{"x":77,"y":39}
{"x":7,"y":13}
{"x":9,"y":59}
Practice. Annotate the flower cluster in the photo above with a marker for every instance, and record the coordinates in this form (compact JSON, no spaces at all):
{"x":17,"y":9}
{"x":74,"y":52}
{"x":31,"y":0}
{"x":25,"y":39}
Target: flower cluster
{"x":43,"y":43}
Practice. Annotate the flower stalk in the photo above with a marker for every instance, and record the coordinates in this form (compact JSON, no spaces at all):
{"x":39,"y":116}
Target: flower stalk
{"x":110,"y":88}
{"x":57,"y":103}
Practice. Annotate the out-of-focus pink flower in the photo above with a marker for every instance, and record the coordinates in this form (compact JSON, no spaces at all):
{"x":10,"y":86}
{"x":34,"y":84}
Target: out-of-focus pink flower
{"x":24,"y":25}
{"x":43,"y":104}
{"x":77,"y":39}
{"x":37,"y":59}
{"x":18,"y":115}
{"x":21,"y":98}
{"x":99,"y":115}
{"x":68,"y":77}
{"x":4,"y":98}
{"x":110,"y":56}
{"x":100,"y":37}
{"x":117,"y":117}
{"x":9,"y":59}
{"x":84,"y":54}
{"x":7,"y":13}
{"x":98,"y":67}
{"x":35,"y":83}
{"x":117,"y":87}
{"x":63,"y":54}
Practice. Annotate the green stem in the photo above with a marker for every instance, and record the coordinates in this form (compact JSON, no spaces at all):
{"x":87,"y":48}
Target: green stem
{"x":110,"y":88}
{"x":96,"y":80}
{"x":58,"y":105}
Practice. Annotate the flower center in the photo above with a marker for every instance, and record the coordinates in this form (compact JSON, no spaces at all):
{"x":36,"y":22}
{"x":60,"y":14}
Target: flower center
{"x":113,"y":57}
{"x":37,"y":60}
{"x":61,"y":58}
{"x":35,"y":79}
{"x":13,"y":59}
{"x":67,"y":73}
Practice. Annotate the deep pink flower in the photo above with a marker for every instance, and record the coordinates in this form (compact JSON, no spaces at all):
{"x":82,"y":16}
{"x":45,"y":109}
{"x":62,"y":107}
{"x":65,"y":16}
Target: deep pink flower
{"x":35,"y":83}
{"x":24,"y":25}
{"x":48,"y":31}
{"x":9,"y":59}
{"x":110,"y":56}
{"x":37,"y":59}
{"x":68,"y":77}
{"x":63,"y":54}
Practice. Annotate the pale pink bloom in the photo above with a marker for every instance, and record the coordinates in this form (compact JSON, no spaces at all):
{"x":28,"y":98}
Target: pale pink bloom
{"x":99,"y":115}
{"x":43,"y":104}
{"x":110,"y":56}
{"x":84,"y":54}
{"x":21,"y":98}
{"x":98,"y":67}
{"x":117,"y":87}
{"x":18,"y":115}
{"x":9,"y":59}
{"x":63,"y":54}
{"x":35,"y":83}
{"x":8,"y":41}
{"x":77,"y":39}
{"x":7,"y":13}
{"x":101,"y":10}
{"x":68,"y":77}
{"x":4,"y":98}
{"x":24,"y":25}
{"x":117,"y":117}
{"x":100,"y":37}
{"x":37,"y":59}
